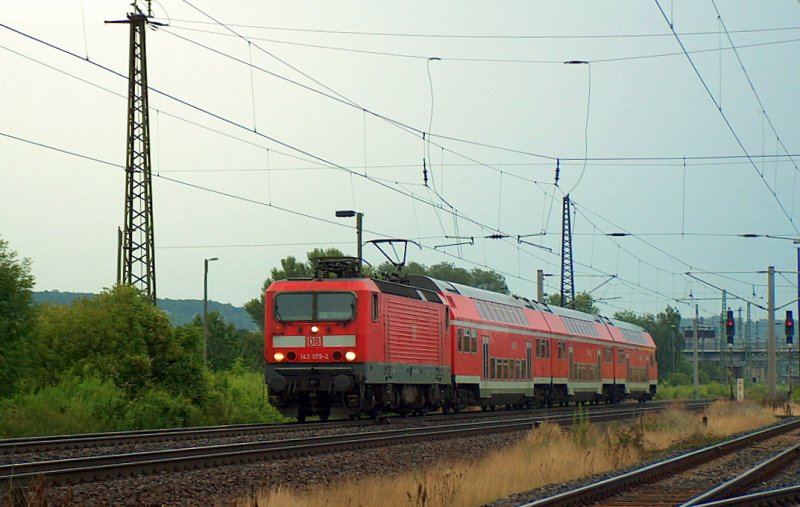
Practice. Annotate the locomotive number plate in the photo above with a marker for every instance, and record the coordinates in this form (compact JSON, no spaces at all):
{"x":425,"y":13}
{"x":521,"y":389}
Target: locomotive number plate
{"x":313,"y":341}
{"x":316,"y":356}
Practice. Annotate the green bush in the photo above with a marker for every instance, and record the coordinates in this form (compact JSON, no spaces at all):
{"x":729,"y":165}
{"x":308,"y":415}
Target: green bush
{"x":237,"y":396}
{"x":71,"y":406}
{"x":679,"y":378}
{"x":156,"y":408}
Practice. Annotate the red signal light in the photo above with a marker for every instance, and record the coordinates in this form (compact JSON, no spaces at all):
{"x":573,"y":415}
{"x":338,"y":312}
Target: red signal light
{"x":730,"y":327}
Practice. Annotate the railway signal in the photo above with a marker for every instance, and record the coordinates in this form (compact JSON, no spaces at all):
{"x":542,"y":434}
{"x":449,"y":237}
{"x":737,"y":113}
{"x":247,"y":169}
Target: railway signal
{"x":730,"y":327}
{"x":788,"y":326}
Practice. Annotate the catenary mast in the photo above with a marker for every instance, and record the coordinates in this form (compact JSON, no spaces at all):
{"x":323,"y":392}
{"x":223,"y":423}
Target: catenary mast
{"x":137,"y":244}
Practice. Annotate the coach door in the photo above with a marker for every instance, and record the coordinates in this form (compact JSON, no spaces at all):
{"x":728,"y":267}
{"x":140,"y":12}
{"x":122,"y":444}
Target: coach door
{"x":599,"y":368}
{"x":628,"y":376}
{"x":572,"y":372}
{"x":529,"y":362}
{"x":485,"y":357}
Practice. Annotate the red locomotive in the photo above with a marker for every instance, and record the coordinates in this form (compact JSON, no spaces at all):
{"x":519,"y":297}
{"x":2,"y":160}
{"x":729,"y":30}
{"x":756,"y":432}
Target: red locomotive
{"x":351,"y":345}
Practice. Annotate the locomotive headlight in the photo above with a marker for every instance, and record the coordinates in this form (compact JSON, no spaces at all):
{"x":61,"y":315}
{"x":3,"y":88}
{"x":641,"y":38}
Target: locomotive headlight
{"x":314,"y":329}
{"x":278,"y":356}
{"x":350,"y":355}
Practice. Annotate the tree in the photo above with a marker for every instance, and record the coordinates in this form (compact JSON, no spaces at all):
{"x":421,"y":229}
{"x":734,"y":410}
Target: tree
{"x":488,"y":280}
{"x":583,"y":302}
{"x":252,"y":349}
{"x":118,"y":336}
{"x":665,"y":330}
{"x":16,"y":315}
{"x":226,"y":344}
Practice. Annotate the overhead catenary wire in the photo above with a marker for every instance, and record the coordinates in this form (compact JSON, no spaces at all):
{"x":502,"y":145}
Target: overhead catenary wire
{"x":726,"y":120}
{"x":752,"y":86}
{"x":468,"y":59}
{"x":583,"y":160}
{"x":484,"y":36}
{"x":236,"y":124}
{"x":241,"y":198}
{"x":634,"y":285}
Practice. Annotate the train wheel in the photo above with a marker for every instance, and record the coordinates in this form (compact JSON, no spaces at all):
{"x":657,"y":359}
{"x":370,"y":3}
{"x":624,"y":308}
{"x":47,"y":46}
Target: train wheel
{"x":325,"y":415}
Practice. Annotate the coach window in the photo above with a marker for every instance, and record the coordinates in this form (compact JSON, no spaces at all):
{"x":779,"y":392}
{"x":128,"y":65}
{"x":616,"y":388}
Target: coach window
{"x":473,"y":339}
{"x":374,"y":308}
{"x":460,"y":334}
{"x":607,"y":356}
{"x":491,"y":369}
{"x":562,"y":351}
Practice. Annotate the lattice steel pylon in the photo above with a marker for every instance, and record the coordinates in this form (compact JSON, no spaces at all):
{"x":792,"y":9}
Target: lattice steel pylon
{"x":138,"y":243}
{"x":567,"y":285}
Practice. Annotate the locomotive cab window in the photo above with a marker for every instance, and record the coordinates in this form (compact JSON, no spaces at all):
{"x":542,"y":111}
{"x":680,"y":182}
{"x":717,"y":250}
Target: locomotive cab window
{"x":314,"y":306}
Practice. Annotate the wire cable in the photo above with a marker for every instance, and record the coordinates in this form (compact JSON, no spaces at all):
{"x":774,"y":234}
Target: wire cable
{"x":725,"y":119}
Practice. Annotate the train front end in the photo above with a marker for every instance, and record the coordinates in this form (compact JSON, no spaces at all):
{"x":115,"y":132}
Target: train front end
{"x":315,"y":346}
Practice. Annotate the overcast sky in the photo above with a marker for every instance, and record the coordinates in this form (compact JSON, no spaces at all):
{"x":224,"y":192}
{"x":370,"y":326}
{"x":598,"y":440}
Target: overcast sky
{"x":267,"y":117}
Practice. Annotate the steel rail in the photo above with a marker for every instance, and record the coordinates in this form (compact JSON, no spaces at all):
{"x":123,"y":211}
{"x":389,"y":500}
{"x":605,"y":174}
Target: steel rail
{"x":739,"y":483}
{"x":782,"y":496}
{"x":54,"y":442}
{"x":591,"y":493}
{"x":24,"y":445}
{"x":73,"y":470}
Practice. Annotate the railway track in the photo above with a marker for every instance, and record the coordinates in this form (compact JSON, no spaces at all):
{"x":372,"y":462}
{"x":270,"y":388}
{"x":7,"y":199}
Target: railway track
{"x":25,"y":445}
{"x":658,"y":485}
{"x":91,"y":468}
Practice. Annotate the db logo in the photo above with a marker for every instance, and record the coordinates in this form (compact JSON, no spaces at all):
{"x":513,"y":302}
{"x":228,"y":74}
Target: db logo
{"x":313,"y":341}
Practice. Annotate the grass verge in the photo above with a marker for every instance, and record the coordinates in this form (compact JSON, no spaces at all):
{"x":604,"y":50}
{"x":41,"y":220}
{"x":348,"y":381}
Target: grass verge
{"x":545,"y":456}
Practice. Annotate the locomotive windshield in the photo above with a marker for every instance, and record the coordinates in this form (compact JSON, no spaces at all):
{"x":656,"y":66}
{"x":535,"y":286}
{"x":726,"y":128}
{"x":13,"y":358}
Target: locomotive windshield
{"x":314,"y":306}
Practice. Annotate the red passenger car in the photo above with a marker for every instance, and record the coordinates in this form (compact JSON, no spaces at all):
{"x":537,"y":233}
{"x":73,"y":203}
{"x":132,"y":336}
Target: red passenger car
{"x":350,"y":345}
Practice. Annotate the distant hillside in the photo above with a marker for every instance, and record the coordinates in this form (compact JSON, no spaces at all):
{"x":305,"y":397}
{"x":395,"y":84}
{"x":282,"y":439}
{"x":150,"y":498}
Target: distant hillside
{"x":180,"y":311}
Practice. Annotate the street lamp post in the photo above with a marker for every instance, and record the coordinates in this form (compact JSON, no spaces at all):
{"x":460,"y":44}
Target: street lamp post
{"x":205,"y":307}
{"x":359,"y":218}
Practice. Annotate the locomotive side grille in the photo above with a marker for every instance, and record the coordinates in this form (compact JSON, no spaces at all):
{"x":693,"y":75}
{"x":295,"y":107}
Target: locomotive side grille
{"x":413,"y":333}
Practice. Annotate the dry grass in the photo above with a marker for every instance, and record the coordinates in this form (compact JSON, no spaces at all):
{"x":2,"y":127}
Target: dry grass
{"x":547,"y":455}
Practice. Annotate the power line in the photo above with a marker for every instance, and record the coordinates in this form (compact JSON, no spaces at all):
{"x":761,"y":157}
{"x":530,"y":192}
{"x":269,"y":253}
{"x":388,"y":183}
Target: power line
{"x":610,"y":159}
{"x":333,"y":166}
{"x":526,"y":61}
{"x":233,"y":123}
{"x":725,"y":118}
{"x":481,"y":36}
{"x":636,"y":286}
{"x":752,"y":87}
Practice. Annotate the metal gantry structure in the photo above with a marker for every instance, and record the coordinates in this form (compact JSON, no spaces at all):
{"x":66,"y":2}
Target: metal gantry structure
{"x":137,"y":243}
{"x":567,"y":285}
